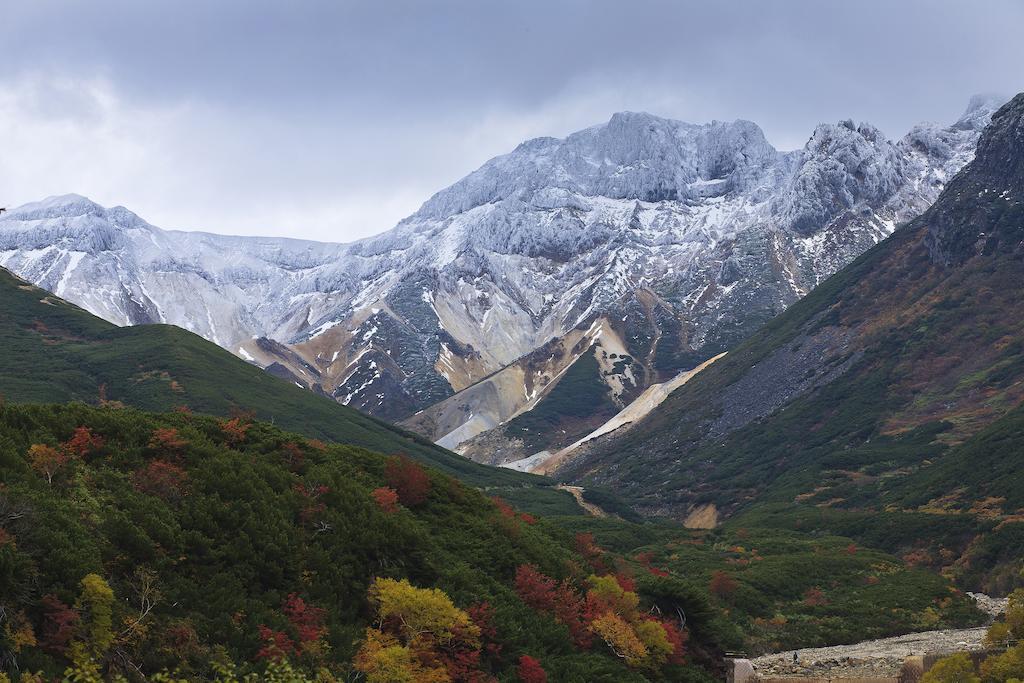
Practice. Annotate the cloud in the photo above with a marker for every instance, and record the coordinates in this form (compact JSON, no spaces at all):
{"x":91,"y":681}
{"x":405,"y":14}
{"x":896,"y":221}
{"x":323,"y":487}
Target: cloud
{"x":333,"y":120}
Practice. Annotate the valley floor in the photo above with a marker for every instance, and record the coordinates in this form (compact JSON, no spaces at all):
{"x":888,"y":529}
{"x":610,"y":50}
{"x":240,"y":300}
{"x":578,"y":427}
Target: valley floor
{"x":880,"y":657}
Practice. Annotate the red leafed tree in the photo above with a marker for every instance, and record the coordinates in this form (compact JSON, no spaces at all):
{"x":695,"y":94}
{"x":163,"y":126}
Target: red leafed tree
{"x":317,"y":445}
{"x":677,"y":638}
{"x":588,"y":548}
{"x":235,"y":430}
{"x":307,"y":620}
{"x":483,"y":616}
{"x":626,"y":582}
{"x":503,"y":507}
{"x":530,"y":670}
{"x":83,"y":442}
{"x":386,"y":499}
{"x":59,"y":624}
{"x":167,"y":440}
{"x":276,"y":644}
{"x":544,"y":594}
{"x":528,"y":518}
{"x":161,"y":479}
{"x":534,"y":588}
{"x":409,"y":480}
{"x":722,"y":584}
{"x":461,"y":659}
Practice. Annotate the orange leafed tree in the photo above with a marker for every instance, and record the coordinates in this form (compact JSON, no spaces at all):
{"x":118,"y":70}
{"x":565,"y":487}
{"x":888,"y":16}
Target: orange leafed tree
{"x":386,"y":499}
{"x":167,"y":440}
{"x":47,"y":460}
{"x":235,"y":430}
{"x":83,"y":442}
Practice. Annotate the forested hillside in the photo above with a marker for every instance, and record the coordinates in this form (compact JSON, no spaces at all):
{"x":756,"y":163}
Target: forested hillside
{"x":132,"y":543}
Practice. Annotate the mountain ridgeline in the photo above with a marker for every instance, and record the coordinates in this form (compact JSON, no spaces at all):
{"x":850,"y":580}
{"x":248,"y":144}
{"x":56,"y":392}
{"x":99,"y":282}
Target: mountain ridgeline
{"x":56,"y":352}
{"x":888,"y":403}
{"x":645,"y":244}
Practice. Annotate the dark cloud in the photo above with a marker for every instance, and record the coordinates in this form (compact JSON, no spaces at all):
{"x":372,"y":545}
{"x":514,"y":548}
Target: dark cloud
{"x":303,"y":117}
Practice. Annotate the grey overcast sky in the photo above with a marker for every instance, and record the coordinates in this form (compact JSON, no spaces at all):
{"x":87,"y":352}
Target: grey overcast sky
{"x":332,"y":120}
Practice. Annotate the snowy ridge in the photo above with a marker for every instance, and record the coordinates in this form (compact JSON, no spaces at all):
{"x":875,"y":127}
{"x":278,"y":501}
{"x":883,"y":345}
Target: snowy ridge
{"x":684,"y":237}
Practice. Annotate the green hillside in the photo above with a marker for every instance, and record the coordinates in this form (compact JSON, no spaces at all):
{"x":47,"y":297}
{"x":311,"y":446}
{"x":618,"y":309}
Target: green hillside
{"x":897,"y":385}
{"x":133,"y":542}
{"x":57,"y":352}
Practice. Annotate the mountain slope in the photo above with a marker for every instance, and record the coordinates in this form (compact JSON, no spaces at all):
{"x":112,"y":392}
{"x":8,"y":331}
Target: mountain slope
{"x":55,"y":351}
{"x":897,"y":384}
{"x":185,"y":546}
{"x":679,"y":240}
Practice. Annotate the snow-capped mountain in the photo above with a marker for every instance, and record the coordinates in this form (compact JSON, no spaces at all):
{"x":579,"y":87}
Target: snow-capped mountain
{"x":645,"y":243}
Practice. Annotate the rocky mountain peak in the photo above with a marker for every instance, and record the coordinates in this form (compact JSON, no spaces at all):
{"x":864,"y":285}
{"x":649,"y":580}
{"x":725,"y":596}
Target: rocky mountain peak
{"x":980,"y":110}
{"x":634,"y":155}
{"x":60,"y":206}
{"x":982,"y":210}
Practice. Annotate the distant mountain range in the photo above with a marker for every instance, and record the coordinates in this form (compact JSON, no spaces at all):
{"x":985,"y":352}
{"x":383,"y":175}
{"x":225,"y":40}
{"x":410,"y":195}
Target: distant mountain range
{"x":601,"y":263}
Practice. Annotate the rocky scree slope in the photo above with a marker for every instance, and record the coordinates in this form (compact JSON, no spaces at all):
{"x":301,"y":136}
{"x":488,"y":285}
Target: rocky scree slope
{"x":674,"y":240}
{"x":896,"y":385}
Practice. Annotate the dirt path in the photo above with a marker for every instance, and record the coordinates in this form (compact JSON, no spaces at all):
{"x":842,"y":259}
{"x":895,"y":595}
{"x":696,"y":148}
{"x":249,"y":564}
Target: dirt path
{"x":577,"y":493}
{"x":878,"y":657}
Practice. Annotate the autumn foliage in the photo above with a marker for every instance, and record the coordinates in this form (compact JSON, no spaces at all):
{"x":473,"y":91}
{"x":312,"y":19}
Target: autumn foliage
{"x":167,"y":440}
{"x":59,"y":622}
{"x":235,"y":430}
{"x":83,"y":442}
{"x":608,"y":611}
{"x":308,"y":623}
{"x":560,"y":600}
{"x":418,"y":635}
{"x":483,"y":616}
{"x":386,"y":499}
{"x":722,"y":584}
{"x":47,"y":460}
{"x":276,"y":644}
{"x":530,"y":670}
{"x":162,"y":479}
{"x":408,"y":479}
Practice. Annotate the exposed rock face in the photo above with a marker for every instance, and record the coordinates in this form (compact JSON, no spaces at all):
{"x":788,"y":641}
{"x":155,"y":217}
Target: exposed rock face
{"x":684,"y":238}
{"x":969,"y":223}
